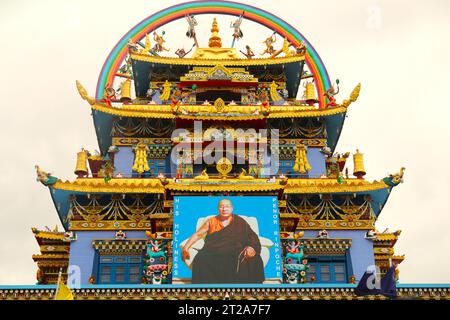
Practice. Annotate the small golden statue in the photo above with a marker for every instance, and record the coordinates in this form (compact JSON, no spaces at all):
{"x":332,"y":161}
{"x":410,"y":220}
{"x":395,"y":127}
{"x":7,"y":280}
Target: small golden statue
{"x":202,"y":176}
{"x":285,"y":48}
{"x":243,"y":175}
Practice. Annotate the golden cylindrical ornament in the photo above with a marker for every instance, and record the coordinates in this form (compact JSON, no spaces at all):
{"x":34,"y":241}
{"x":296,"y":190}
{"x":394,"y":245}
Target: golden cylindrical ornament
{"x":358,"y":165}
{"x":81,"y":169}
{"x":126,"y":91}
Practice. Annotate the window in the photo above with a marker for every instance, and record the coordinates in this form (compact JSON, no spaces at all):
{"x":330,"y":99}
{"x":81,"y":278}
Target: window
{"x":311,"y":272}
{"x":327,"y":269}
{"x":120,"y":269}
{"x":120,"y":274}
{"x":339,"y":272}
{"x":135,"y":272}
{"x":105,"y":274}
{"x":325,"y":273}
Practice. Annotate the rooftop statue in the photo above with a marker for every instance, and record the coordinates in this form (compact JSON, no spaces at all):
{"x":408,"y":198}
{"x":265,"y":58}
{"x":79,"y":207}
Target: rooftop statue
{"x":269,"y":44}
{"x":159,"y":46}
{"x":45,"y":177}
{"x":237,"y":32}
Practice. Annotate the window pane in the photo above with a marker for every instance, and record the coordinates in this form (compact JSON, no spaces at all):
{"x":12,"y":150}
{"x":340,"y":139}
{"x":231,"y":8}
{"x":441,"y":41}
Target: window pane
{"x":324,"y":269}
{"x":339,"y":277}
{"x":105,"y":278}
{"x":120,"y":270}
{"x":106,"y":270}
{"x":325,"y":277}
{"x":105,"y":274}
{"x":339,"y":268}
{"x":134,"y":270}
{"x":120,"y":278}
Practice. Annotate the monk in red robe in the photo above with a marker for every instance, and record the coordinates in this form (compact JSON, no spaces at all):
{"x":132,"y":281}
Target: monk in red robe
{"x":231,"y":253}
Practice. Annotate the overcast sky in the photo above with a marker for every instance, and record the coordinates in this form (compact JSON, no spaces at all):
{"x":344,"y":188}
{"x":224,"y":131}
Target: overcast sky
{"x":398,"y":50}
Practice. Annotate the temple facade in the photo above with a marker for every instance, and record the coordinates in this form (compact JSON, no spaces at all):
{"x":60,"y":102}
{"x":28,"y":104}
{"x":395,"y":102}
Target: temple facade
{"x":216,"y":122}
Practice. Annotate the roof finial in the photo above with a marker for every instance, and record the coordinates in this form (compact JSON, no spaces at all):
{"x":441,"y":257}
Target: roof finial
{"x":215,"y":41}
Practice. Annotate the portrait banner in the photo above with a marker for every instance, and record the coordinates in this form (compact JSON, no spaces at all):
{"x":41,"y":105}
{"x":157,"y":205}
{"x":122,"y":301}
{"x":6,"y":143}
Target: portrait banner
{"x":226,"y":240}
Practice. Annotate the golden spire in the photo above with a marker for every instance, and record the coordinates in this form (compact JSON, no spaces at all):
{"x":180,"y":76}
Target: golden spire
{"x":215,"y":41}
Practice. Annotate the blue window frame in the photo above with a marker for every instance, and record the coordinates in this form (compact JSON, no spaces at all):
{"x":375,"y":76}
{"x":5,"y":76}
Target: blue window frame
{"x":327,"y":270}
{"x":287,"y":167}
{"x":120,"y":269}
{"x":157,"y":166}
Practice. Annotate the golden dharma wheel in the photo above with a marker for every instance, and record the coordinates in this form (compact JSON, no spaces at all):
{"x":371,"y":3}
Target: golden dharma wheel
{"x":219,"y":104}
{"x":224,"y":166}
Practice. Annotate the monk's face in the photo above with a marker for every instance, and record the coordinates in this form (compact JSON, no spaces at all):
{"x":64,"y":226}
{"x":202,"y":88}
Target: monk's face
{"x":225,"y":208}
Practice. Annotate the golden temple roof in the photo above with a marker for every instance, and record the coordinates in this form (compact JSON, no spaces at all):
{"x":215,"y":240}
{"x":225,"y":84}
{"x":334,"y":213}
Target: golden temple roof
{"x":331,"y":185}
{"x":387,"y":236}
{"x":49,"y":256}
{"x":48,"y":234}
{"x":385,"y":258}
{"x":113,"y":185}
{"x":398,"y":259}
{"x":207,"y":112}
{"x":153,"y":185}
{"x":215,"y":56}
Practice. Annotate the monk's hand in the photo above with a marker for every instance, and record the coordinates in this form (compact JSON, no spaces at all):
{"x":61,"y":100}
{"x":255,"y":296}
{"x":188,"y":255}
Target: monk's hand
{"x":185,"y":254}
{"x":250,"y":252}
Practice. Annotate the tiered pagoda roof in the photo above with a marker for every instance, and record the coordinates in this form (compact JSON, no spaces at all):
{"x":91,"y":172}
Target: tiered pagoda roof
{"x":54,"y":255}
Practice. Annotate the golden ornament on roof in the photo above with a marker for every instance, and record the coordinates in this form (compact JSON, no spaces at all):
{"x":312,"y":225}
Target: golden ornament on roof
{"x":125,"y":90}
{"x":224,"y":166}
{"x":202,"y":176}
{"x":140,"y":161}
{"x":358,"y":165}
{"x":215,"y":50}
{"x":165,"y":95}
{"x":81,"y":169}
{"x":353,"y":96}
{"x":243,"y":175}
{"x":215,"y":41}
{"x":83,"y":93}
{"x":219,"y":104}
{"x":310,"y":93}
{"x":273,"y":92}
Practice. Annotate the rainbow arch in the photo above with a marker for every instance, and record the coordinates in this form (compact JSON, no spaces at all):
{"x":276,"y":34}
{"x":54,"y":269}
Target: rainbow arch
{"x":118,"y":53}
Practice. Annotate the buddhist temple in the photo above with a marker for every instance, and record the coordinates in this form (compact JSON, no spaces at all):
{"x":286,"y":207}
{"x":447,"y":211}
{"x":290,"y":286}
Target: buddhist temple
{"x":217,"y":144}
